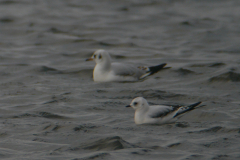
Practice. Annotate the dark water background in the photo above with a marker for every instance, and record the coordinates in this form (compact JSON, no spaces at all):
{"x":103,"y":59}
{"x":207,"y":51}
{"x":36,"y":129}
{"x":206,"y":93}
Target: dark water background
{"x":50,"y":108}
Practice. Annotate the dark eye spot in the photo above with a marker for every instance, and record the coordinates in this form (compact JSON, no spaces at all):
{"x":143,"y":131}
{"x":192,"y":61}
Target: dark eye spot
{"x":94,"y":56}
{"x":135,"y":103}
{"x":100,"y":56}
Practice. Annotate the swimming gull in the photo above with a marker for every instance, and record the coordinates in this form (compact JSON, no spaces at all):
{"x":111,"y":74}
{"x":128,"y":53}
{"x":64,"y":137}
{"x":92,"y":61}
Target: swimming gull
{"x":157,"y":114}
{"x":105,"y":70}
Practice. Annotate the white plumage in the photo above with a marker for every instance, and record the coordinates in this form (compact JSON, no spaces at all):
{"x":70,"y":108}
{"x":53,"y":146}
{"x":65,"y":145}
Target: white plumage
{"x":157,"y":114}
{"x":105,"y":70}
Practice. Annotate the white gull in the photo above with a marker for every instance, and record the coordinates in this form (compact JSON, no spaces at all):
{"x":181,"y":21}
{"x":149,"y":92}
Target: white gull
{"x":157,"y":114}
{"x":105,"y":70}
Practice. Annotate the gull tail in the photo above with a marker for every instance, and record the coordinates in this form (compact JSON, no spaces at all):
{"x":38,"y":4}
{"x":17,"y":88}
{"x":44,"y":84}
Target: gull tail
{"x":183,"y":109}
{"x":153,"y":69}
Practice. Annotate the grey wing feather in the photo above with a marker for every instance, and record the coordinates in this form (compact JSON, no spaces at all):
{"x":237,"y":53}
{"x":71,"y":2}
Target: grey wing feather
{"x":185,"y":109}
{"x":161,"y":112}
{"x":126,"y":70}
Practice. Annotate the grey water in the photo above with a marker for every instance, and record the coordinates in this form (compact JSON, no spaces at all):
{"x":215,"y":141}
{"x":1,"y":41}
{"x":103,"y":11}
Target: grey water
{"x":50,"y":107}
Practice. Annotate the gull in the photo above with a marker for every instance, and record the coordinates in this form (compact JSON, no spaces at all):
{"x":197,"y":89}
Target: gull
{"x":157,"y":114}
{"x":106,"y":71}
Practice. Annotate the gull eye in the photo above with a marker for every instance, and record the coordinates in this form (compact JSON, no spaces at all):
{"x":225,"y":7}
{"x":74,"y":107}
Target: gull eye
{"x":94,"y":56}
{"x":100,"y":56}
{"x":135,"y":103}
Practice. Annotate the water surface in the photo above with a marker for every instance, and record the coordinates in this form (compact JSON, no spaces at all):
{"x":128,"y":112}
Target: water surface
{"x":50,"y":108}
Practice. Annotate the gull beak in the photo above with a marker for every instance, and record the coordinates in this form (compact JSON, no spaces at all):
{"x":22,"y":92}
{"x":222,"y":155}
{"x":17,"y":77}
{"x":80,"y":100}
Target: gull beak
{"x":89,"y":59}
{"x":128,"y":106}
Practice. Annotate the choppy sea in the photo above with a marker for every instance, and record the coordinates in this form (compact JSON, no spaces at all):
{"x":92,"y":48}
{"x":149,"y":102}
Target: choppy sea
{"x":50,"y":107}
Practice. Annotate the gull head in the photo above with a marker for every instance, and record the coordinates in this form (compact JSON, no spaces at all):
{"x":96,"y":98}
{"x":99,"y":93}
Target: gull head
{"x":138,"y":103}
{"x":100,"y":56}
